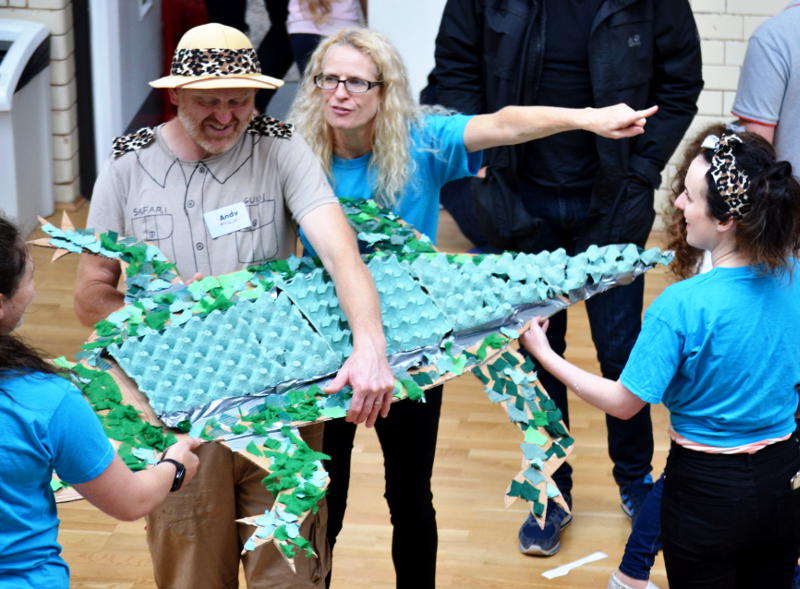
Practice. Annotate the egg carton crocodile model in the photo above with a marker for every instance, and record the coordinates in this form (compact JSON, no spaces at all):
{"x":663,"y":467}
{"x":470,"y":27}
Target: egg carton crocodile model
{"x":241,"y":358}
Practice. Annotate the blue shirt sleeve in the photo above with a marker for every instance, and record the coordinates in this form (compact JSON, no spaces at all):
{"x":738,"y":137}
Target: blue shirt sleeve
{"x":443,"y":138}
{"x":81,"y":450}
{"x":654,"y":360}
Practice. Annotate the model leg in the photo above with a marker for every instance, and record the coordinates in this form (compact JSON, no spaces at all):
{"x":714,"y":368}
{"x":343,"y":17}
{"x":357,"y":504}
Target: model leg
{"x":265,"y":567}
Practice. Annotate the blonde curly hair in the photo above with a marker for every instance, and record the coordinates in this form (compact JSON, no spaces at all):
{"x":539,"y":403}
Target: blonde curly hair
{"x":396,"y":113}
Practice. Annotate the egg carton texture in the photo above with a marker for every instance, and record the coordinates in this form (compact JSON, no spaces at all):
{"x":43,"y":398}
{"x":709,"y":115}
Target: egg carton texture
{"x":314,"y":293}
{"x":411,"y":320}
{"x":242,"y":351}
{"x":200,"y":347}
{"x":477,"y":291}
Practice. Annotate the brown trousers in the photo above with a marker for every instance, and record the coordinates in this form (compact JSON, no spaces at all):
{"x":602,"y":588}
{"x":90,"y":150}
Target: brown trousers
{"x":195,"y":542}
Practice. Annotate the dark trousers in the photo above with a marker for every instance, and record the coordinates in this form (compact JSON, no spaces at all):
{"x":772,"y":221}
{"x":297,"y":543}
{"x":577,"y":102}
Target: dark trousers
{"x":274,"y":52}
{"x":228,"y":12}
{"x":456,"y":197}
{"x":615,"y":321}
{"x":731,"y":521}
{"x":303,"y":45}
{"x":408,"y":440}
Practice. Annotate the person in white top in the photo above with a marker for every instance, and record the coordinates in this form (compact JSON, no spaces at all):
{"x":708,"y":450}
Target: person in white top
{"x":311,"y":20}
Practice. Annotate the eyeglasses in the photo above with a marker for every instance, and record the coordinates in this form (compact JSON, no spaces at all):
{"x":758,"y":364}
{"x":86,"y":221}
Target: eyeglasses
{"x":353,"y":85}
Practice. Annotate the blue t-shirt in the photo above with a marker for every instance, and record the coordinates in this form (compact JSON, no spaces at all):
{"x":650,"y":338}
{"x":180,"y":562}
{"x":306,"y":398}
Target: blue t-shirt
{"x":46,"y":426}
{"x":722,"y":352}
{"x":438,"y":155}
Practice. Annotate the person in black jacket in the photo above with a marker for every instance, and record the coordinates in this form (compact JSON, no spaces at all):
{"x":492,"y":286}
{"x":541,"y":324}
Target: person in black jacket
{"x":573,"y":190}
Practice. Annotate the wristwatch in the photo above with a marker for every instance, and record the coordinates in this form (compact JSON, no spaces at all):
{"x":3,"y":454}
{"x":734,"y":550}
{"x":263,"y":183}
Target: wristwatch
{"x":180,"y":472}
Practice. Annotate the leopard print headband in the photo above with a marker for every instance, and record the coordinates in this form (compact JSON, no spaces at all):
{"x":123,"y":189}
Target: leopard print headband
{"x":215,"y":62}
{"x":730,"y":181}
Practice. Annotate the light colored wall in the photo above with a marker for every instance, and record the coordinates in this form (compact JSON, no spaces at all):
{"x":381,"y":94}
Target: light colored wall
{"x":122,"y":86}
{"x":57,"y":15}
{"x":127,"y":56}
{"x":412,"y":26}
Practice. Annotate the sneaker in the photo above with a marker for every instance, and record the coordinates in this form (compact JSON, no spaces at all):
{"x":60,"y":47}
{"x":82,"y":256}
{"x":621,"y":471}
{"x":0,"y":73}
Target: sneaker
{"x":615,"y":583}
{"x":536,"y":541}
{"x":633,"y":495}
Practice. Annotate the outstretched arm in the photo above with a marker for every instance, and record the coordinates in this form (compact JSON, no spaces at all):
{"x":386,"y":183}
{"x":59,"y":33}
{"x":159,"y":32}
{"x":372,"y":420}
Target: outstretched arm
{"x":367,"y":370}
{"x":128,"y":495}
{"x":609,"y":395}
{"x":517,"y":124}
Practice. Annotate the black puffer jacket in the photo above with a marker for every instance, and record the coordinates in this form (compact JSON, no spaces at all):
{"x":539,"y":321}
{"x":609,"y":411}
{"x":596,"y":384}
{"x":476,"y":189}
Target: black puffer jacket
{"x":641,"y":52}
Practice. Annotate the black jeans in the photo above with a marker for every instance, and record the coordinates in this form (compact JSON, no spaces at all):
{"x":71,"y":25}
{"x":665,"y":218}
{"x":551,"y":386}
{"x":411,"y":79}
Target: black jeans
{"x":274,"y":51}
{"x":731,"y":521}
{"x":615,"y":321}
{"x":408,"y":440}
{"x":303,"y":46}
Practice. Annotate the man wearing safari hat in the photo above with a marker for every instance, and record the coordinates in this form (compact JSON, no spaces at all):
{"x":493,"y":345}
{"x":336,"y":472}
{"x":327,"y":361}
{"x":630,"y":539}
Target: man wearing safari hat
{"x":171,"y":185}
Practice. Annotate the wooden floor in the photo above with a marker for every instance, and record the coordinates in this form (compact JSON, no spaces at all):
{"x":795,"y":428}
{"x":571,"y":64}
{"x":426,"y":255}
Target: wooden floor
{"x":477,"y":454}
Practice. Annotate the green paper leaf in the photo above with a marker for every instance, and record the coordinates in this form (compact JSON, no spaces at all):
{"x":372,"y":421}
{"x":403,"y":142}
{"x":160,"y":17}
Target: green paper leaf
{"x":533,"y":436}
{"x":333,"y":412}
{"x":253,"y":449}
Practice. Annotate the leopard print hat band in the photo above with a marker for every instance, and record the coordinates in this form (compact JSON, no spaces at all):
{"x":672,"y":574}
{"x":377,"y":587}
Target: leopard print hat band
{"x":731,"y":182}
{"x":215,"y":56}
{"x":214,"y":62}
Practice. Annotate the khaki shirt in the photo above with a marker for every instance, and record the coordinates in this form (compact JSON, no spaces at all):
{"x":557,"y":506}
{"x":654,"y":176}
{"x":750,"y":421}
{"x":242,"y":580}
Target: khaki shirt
{"x":151,"y":194}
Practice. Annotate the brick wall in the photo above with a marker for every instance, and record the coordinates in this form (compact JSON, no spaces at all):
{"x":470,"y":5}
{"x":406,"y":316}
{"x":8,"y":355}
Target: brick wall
{"x":724,"y":26}
{"x":57,"y":16}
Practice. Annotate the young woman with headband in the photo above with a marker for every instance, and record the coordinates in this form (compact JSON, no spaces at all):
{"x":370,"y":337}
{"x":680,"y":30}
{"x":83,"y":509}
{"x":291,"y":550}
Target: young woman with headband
{"x":721,"y":351}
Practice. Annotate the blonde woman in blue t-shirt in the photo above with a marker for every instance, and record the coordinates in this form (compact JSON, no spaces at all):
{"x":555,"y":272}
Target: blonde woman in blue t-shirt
{"x":355,"y":110}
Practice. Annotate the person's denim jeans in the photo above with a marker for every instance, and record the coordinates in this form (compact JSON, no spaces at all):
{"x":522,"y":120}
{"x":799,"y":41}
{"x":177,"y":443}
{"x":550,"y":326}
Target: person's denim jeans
{"x":644,"y":541}
{"x":615,"y":320}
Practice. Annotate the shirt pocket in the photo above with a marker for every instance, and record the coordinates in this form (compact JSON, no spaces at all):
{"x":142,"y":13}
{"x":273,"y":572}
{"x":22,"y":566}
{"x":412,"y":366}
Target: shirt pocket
{"x":503,"y":37}
{"x":258,"y":243}
{"x":630,"y":49}
{"x":153,"y":227}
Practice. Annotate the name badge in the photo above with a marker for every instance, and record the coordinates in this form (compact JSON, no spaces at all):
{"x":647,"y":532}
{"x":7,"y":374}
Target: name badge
{"x":227,"y":219}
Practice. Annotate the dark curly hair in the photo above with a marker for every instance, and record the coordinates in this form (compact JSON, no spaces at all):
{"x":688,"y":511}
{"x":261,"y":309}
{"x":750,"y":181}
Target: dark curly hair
{"x":769,"y":232}
{"x":687,"y":258}
{"x":15,"y":355}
